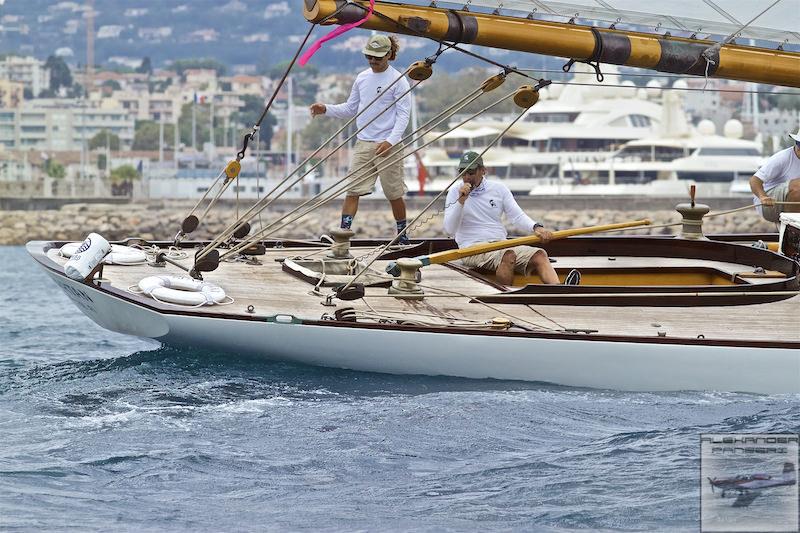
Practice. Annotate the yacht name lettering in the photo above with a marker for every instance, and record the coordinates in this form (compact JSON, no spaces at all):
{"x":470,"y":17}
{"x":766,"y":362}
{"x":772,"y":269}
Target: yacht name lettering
{"x":74,"y":293}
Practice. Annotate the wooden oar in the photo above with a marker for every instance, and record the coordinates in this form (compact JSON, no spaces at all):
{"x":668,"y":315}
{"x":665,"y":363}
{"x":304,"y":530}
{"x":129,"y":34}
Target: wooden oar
{"x":458,"y":253}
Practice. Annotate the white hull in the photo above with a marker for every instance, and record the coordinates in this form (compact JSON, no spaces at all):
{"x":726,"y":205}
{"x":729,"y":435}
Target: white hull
{"x":595,"y":363}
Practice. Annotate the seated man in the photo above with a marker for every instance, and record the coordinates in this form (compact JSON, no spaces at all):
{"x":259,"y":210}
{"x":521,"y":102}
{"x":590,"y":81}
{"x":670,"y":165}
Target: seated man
{"x":778,"y":180}
{"x":472,"y":214}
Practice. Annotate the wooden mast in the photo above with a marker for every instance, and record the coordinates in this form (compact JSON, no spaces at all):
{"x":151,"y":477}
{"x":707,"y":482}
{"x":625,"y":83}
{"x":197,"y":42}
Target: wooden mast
{"x":675,"y":55}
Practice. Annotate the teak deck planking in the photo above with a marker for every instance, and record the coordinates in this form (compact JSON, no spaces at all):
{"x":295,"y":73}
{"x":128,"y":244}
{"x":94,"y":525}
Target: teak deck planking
{"x":272,"y":291}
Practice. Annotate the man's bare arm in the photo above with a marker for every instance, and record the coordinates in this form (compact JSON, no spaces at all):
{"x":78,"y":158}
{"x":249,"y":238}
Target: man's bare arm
{"x":757,"y":187}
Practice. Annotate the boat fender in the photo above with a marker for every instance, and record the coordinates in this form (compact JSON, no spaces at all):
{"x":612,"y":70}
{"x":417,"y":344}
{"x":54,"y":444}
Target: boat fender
{"x":119,"y":255}
{"x":182,"y":290}
{"x":87,"y":256}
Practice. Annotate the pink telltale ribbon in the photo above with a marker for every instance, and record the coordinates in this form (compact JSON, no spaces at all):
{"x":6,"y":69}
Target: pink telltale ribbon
{"x":334,"y":34}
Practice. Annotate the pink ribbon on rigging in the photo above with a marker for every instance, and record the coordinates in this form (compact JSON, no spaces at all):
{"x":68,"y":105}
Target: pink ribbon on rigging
{"x":334,"y":34}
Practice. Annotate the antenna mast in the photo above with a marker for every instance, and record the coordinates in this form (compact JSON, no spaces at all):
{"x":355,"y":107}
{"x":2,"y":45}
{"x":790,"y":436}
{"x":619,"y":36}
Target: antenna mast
{"x":89,"y":45}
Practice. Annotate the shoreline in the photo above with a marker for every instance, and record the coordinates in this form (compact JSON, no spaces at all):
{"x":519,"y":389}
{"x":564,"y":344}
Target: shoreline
{"x":160,"y":220}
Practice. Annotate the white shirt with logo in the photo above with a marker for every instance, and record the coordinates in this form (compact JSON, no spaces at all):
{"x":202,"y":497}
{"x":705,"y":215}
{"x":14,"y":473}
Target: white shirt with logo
{"x":480,"y":218}
{"x":390,"y":125}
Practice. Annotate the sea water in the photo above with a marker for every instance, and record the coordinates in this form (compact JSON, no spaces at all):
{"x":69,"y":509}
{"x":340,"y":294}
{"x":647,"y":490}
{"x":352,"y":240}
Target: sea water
{"x":100,"y":431}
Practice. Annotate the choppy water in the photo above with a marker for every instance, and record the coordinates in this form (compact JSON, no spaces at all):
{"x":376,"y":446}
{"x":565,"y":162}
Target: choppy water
{"x":100,"y":431}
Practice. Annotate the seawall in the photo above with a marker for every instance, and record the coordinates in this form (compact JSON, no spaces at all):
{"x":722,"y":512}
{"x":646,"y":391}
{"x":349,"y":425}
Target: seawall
{"x":160,"y":220}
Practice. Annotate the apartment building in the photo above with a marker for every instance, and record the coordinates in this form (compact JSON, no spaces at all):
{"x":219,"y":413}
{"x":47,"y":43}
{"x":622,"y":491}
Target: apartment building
{"x":63,"y":124}
{"x":142,"y":105}
{"x":26,"y":70}
{"x":11,"y":93}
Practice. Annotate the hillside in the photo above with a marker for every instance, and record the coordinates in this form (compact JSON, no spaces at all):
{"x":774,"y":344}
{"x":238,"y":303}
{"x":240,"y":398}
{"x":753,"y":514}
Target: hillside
{"x":245,"y":36}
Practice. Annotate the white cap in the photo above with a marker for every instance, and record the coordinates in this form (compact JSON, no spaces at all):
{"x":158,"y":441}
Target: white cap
{"x":795,"y":136}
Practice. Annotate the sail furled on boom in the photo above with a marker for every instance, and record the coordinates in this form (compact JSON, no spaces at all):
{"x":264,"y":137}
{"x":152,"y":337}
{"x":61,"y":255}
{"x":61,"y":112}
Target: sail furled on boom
{"x":542,"y":28}
{"x":704,"y":18}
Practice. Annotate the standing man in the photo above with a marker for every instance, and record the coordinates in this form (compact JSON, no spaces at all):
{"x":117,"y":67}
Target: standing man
{"x":473,"y":216}
{"x":778,"y":180}
{"x":380,"y":139}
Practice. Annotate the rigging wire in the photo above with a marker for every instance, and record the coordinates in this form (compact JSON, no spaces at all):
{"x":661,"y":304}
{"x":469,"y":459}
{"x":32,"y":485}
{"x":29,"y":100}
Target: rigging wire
{"x":442,"y":193}
{"x":643,"y":75}
{"x":247,"y":137}
{"x":344,"y":183}
{"x":619,"y":85}
{"x":256,"y":128}
{"x":268,"y":199}
{"x":733,"y":35}
{"x":521,"y":71}
{"x":442,"y":42}
{"x":450,"y":293}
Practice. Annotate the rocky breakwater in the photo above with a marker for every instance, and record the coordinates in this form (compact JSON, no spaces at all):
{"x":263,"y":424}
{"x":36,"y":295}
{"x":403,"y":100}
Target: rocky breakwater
{"x":159,"y":221}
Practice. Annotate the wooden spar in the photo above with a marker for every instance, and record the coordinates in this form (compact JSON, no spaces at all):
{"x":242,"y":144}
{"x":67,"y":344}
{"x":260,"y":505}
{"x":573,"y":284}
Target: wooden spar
{"x":675,"y":55}
{"x":452,"y":255}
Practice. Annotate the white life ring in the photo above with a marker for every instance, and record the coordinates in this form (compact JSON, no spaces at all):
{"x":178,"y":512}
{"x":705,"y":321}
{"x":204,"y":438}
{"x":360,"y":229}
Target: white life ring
{"x":182,"y":290}
{"x":119,"y":255}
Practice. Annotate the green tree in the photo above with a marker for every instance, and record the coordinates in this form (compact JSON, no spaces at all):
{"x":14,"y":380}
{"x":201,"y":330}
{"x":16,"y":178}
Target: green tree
{"x":247,"y":115}
{"x":60,"y":75}
{"x":319,"y":130}
{"x":201,"y":124}
{"x":181,"y":65}
{"x":146,"y":67}
{"x":124,"y":173}
{"x":788,"y":101}
{"x":147,"y":133}
{"x":113,"y":84}
{"x":75,"y":91}
{"x":54,"y":169}
{"x":443,"y":90}
{"x":104,"y":139}
{"x":275,"y":72}
{"x":158,"y":86}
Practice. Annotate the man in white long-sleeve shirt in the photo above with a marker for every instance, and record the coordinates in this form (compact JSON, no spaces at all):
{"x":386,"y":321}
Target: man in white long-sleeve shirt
{"x":473,"y":215}
{"x":378,"y":142}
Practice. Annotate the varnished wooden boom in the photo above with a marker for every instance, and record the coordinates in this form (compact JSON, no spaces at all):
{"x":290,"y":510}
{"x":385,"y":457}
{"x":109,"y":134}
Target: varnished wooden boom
{"x":664,"y":54}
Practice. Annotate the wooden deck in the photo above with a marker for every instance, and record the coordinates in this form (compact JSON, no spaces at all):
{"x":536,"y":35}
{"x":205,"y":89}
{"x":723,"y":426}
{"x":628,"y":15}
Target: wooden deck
{"x":270,"y":291}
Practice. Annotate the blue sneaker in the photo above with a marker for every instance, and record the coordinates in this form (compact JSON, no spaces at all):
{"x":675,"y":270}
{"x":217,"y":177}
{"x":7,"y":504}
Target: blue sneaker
{"x":403,"y":240}
{"x":573,"y":278}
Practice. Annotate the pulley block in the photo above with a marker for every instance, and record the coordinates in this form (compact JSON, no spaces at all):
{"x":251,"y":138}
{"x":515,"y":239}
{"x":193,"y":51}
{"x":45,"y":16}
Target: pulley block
{"x":242,"y":231}
{"x":189,"y":224}
{"x":420,"y":71}
{"x":526,"y":96}
{"x":353,"y":292}
{"x":490,"y":84}
{"x":232,"y":169}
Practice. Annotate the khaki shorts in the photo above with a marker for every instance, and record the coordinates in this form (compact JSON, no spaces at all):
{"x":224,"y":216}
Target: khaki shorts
{"x":491,"y":260}
{"x":779,"y":193}
{"x":391,"y":177}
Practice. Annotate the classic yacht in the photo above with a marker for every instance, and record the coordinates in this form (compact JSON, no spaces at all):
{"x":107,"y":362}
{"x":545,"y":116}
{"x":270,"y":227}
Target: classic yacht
{"x":684,"y":312}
